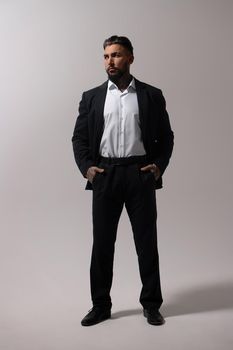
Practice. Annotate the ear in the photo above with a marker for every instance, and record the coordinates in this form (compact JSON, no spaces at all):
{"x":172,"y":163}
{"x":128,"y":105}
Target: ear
{"x":131,"y":59}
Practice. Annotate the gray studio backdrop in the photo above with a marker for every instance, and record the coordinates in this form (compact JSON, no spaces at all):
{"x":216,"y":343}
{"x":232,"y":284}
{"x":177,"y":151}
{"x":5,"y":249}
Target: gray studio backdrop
{"x":51,"y":51}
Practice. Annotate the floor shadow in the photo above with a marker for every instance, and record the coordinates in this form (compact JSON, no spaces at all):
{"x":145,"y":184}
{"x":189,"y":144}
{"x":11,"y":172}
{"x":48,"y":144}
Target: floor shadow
{"x":126,"y":313}
{"x":204,"y":298}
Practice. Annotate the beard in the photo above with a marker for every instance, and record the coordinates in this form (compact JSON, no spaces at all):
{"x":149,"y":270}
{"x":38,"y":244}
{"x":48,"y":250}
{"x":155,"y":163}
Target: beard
{"x":115,"y":77}
{"x":118,"y":74}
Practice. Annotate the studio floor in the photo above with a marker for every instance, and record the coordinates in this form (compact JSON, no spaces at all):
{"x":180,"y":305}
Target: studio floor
{"x":200,"y":317}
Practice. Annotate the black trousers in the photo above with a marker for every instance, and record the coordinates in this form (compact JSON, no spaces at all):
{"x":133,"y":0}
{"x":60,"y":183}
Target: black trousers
{"x":119,"y":185}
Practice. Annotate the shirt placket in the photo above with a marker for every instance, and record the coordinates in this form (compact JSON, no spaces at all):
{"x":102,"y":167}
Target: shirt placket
{"x":122,"y":125}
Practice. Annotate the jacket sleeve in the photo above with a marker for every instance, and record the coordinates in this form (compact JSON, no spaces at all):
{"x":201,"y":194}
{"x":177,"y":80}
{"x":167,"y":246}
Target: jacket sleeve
{"x":165,"y":137}
{"x":80,"y":139}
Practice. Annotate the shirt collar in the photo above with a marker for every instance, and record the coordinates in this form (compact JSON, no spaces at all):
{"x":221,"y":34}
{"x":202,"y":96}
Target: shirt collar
{"x":112,"y":85}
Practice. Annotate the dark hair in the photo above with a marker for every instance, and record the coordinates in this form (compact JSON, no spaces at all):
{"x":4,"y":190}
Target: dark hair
{"x":121,"y":40}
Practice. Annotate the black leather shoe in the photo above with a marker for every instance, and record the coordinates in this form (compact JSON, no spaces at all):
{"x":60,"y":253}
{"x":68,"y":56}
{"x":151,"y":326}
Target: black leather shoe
{"x":96,"y":315}
{"x":154,"y":317}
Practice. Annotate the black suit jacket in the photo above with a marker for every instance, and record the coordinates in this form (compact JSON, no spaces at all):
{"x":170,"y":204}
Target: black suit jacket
{"x":157,"y":135}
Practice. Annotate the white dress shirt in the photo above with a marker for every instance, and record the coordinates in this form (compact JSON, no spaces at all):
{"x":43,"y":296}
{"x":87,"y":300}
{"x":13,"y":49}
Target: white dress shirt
{"x":122,"y":132}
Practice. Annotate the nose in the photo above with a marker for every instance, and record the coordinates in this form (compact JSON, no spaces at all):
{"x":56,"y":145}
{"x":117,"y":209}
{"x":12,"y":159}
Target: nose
{"x":110,"y":61}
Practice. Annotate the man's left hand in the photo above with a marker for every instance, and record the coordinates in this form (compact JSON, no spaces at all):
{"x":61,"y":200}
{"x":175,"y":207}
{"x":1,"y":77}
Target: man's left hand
{"x":154,"y":169}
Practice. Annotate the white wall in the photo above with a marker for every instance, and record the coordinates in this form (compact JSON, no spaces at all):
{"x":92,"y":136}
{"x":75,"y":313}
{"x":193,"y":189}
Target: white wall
{"x":50,"y":52}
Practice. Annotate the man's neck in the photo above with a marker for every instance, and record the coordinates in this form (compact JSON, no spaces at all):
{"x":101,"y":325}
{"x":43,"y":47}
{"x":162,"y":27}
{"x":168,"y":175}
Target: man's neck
{"x":123,"y":82}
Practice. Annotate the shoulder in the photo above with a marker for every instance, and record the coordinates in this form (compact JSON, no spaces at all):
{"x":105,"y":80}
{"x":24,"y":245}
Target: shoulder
{"x":148,"y":87}
{"x":153,"y":93}
{"x":95,"y":90}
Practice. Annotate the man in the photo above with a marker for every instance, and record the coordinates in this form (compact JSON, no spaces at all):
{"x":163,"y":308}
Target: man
{"x":122,"y":144}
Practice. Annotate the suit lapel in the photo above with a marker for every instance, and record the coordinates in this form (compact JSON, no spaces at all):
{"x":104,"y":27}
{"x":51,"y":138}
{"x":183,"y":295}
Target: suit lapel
{"x":99,"y":109}
{"x":142,"y":106}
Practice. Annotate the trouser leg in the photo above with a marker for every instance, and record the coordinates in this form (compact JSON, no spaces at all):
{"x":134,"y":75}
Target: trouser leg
{"x":141,"y":208}
{"x":106,"y":211}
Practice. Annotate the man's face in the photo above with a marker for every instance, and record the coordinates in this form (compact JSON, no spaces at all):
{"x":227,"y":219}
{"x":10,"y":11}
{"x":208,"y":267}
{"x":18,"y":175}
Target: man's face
{"x":117,"y":60}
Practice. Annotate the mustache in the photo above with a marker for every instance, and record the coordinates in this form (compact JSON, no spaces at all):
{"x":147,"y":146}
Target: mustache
{"x":114,"y":68}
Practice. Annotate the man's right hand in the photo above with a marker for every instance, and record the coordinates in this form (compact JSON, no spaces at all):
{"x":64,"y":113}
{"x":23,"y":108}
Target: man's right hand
{"x":91,"y":172}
